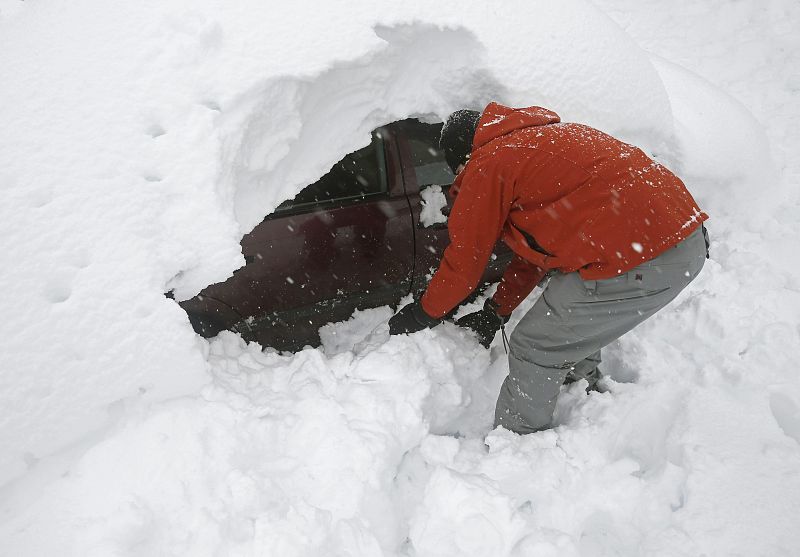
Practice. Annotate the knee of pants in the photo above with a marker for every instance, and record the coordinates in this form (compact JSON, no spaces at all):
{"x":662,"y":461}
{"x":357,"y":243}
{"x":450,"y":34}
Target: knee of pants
{"x":521,"y":345}
{"x":528,"y":350}
{"x":531,"y":335}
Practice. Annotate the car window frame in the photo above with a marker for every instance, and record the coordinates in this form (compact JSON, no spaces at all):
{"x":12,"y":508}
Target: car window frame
{"x":413,"y":187}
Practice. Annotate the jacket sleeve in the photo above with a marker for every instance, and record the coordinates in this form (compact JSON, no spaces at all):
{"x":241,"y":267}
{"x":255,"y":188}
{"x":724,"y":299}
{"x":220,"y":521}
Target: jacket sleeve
{"x":476,"y":220}
{"x":519,"y":279}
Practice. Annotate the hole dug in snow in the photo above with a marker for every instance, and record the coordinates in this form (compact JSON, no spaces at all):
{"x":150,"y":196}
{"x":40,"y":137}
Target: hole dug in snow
{"x":287,"y":132}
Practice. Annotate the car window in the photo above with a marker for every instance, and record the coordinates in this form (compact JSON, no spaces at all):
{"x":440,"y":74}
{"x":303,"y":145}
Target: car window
{"x":356,"y":176}
{"x":428,"y":160}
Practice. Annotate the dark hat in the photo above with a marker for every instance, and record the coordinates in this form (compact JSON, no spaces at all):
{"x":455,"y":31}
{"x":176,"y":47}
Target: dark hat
{"x":456,"y":138}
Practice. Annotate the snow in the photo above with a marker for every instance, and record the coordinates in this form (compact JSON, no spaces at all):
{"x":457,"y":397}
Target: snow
{"x":433,"y":201}
{"x":141,"y":141}
{"x":136,"y":158}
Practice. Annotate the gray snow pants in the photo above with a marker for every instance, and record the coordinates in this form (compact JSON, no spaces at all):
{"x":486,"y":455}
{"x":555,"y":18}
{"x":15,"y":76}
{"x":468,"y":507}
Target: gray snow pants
{"x":573,"y":319}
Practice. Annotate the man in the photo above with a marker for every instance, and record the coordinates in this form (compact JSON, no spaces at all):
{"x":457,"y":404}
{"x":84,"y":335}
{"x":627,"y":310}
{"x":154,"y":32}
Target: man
{"x":618,"y":234}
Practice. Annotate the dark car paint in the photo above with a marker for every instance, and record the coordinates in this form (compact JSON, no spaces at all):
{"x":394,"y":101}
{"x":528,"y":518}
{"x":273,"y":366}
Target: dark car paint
{"x":314,"y":264}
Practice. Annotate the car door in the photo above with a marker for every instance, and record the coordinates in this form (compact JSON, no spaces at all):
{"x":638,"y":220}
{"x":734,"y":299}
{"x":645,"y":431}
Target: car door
{"x":423,"y":167}
{"x":343,"y":243}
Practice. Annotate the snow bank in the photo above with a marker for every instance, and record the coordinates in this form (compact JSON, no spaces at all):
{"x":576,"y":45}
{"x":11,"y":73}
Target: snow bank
{"x":135,"y":156}
{"x":379,"y":449}
{"x":717,"y":132}
{"x":141,"y":141}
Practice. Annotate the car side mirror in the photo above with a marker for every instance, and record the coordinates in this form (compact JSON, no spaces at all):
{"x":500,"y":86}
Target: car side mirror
{"x":435,"y":208}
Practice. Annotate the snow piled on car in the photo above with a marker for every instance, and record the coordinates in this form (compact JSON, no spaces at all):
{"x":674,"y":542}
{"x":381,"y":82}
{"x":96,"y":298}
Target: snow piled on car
{"x":141,"y":141}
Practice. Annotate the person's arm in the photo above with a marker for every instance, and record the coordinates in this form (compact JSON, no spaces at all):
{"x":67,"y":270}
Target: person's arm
{"x":476,"y":220}
{"x":519,"y":279}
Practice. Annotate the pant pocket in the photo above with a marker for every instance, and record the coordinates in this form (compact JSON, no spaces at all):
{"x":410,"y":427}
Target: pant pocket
{"x":658,"y":278}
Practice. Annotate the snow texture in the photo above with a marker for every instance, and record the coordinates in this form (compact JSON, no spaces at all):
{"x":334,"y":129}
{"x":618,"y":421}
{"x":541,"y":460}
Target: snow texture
{"x":433,"y":200}
{"x":141,"y":141}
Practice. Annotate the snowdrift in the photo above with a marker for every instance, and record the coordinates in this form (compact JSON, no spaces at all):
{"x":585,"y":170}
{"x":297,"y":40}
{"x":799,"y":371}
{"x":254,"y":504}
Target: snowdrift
{"x":136,"y":157}
{"x":142,"y":141}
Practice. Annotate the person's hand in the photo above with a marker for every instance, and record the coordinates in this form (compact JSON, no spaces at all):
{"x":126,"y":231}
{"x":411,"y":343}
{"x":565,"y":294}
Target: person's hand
{"x":410,"y":319}
{"x":485,"y":323}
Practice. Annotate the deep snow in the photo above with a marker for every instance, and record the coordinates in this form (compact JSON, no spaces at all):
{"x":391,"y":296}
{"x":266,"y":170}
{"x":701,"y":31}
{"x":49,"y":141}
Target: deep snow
{"x":139,"y":142}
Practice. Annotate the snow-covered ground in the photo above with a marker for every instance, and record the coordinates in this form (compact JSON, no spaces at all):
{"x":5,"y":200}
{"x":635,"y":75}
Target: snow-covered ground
{"x":140,"y":141}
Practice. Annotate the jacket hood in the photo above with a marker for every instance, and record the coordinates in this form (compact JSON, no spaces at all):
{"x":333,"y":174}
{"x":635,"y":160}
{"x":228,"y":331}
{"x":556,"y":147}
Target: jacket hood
{"x":498,"y":120}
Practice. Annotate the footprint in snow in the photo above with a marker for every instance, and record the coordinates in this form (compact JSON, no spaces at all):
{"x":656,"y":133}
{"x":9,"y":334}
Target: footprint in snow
{"x":155,"y":131}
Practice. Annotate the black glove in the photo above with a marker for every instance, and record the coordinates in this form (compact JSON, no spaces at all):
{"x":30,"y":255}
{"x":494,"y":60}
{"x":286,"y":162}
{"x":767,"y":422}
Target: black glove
{"x":410,"y":319}
{"x":485,"y":322}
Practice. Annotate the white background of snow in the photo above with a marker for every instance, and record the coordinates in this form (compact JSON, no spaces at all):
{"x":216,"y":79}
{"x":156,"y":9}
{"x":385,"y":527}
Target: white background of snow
{"x":133,"y":158}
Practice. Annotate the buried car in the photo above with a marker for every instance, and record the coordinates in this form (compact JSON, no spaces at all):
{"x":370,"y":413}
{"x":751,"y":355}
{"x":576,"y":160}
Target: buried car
{"x":359,"y":237}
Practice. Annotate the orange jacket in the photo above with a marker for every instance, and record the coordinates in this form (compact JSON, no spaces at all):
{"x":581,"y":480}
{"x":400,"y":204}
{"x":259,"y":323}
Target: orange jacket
{"x":561,"y":196}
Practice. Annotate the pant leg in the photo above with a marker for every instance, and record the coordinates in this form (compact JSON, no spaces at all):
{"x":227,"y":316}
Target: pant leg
{"x":574,"y":319}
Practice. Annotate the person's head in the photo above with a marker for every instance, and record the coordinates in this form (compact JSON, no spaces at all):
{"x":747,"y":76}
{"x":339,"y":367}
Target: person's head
{"x":456,"y":138}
